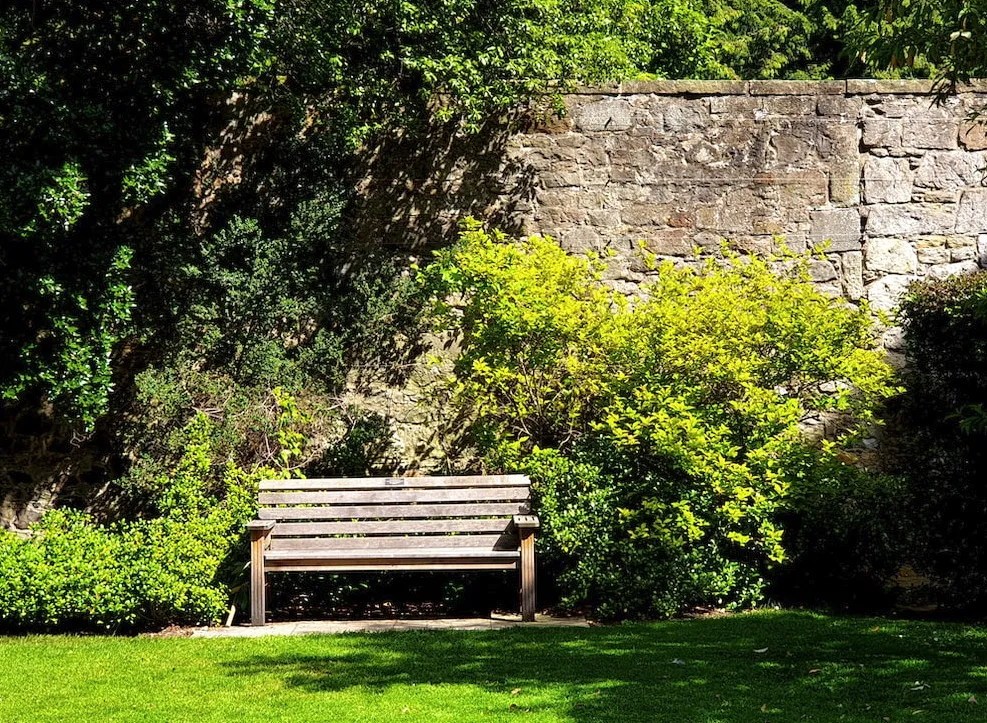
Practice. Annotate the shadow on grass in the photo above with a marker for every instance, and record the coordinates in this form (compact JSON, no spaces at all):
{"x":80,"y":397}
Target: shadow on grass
{"x":775,"y":666}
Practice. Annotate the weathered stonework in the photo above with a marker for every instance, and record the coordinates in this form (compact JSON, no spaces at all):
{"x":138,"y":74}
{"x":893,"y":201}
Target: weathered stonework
{"x":887,"y":184}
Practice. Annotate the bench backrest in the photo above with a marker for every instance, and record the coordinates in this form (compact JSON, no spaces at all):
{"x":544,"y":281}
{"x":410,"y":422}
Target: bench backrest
{"x":381,"y":512}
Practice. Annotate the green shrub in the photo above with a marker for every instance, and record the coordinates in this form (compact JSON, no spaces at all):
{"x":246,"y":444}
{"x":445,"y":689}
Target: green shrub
{"x":664,"y":432}
{"x":174,"y":567}
{"x":943,"y":448}
{"x":847,"y":535}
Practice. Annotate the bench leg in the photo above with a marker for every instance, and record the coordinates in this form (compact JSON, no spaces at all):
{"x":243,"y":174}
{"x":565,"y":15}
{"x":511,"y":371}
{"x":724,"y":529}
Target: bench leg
{"x":527,"y":576}
{"x":257,"y":602}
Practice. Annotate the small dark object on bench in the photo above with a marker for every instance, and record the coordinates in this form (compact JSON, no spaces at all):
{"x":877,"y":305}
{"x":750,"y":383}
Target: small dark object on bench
{"x":470,"y":522}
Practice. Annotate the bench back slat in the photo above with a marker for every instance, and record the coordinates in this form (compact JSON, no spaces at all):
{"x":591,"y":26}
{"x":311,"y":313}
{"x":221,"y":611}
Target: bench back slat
{"x":371,"y":512}
{"x":351,"y":497}
{"x":373,"y":483}
{"x":389,"y":527}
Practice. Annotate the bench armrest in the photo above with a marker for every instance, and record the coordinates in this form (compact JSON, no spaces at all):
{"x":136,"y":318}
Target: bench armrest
{"x":262,"y":527}
{"x":526,"y":522}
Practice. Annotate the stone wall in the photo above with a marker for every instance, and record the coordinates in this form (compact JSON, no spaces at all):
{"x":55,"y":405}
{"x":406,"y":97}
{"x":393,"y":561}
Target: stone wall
{"x":890,"y":183}
{"x":893,"y":184}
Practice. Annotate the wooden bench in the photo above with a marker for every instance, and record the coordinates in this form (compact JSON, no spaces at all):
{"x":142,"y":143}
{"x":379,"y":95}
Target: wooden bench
{"x":394,"y":523}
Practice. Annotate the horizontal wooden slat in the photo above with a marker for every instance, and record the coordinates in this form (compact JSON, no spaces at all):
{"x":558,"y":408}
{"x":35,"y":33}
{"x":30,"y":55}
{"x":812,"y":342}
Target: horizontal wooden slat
{"x":375,"y":483}
{"x":479,"y":509}
{"x":489,"y":542}
{"x":432,"y":553}
{"x":393,"y":527}
{"x":357,"y":497}
{"x":391,"y":566}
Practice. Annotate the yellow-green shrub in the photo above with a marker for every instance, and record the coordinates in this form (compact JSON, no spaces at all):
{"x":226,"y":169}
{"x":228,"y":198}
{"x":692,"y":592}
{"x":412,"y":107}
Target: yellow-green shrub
{"x":663,"y":432}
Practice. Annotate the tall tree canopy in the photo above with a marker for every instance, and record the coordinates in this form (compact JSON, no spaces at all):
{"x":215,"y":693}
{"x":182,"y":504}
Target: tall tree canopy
{"x":948,"y":35}
{"x":104,"y":110}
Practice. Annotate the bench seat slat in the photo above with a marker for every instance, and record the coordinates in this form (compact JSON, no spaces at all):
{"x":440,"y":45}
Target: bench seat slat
{"x":490,"y":542}
{"x":445,"y":553}
{"x":337,"y":565}
{"x":386,"y":483}
{"x":332,"y":497}
{"x":393,"y":527}
{"x":343,"y":512}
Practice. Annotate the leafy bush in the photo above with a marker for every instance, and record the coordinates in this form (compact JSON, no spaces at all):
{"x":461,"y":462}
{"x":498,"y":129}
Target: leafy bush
{"x":663,"y":432}
{"x":847,"y":534}
{"x":944,"y":434}
{"x":174,"y":567}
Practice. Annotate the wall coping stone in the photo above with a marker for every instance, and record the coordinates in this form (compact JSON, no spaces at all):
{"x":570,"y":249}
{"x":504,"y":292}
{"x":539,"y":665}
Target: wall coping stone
{"x":797,"y":87}
{"x":850,"y":87}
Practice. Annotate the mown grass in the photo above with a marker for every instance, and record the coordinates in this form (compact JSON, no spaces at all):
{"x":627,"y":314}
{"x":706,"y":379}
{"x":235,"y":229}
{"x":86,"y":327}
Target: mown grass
{"x":777,"y":666}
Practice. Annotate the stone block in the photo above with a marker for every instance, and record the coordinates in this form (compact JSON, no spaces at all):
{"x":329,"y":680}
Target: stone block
{"x":844,"y":185}
{"x":887,"y":180}
{"x":790,"y":149}
{"x":683,"y":87}
{"x":685,"y":117}
{"x":837,"y":140}
{"x":971,"y":217}
{"x":968,"y":253}
{"x":839,"y":226}
{"x":622,"y":174}
{"x":973,"y":135}
{"x":881,"y":133}
{"x":735,"y":105}
{"x":561,"y":178}
{"x":672,"y":242}
{"x":797,"y":87}
{"x":604,"y":115}
{"x":791,"y":106}
{"x":795,"y":192}
{"x":908,"y":220}
{"x":885,"y":294}
{"x":681,"y":218}
{"x":946,"y":270}
{"x":553,"y":198}
{"x":890,"y":107}
{"x":890,"y":255}
{"x":949,"y":169}
{"x":936,"y":195}
{"x":706,"y":218}
{"x":822,"y":270}
{"x":550,"y":123}
{"x":930,"y":128}
{"x":932,"y":250}
{"x":982,"y":250}
{"x":830,"y":105}
{"x":604,"y":217}
{"x":767,"y":225}
{"x":582,"y":239}
{"x":751,"y":244}
{"x":852,"y":274}
{"x":593,"y":157}
{"x":637,"y":159}
{"x":642,"y":214}
{"x":888,"y":87}
{"x":570,"y":140}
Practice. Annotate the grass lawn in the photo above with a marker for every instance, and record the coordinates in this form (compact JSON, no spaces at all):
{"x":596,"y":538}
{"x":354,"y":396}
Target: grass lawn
{"x":773,"y":666}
